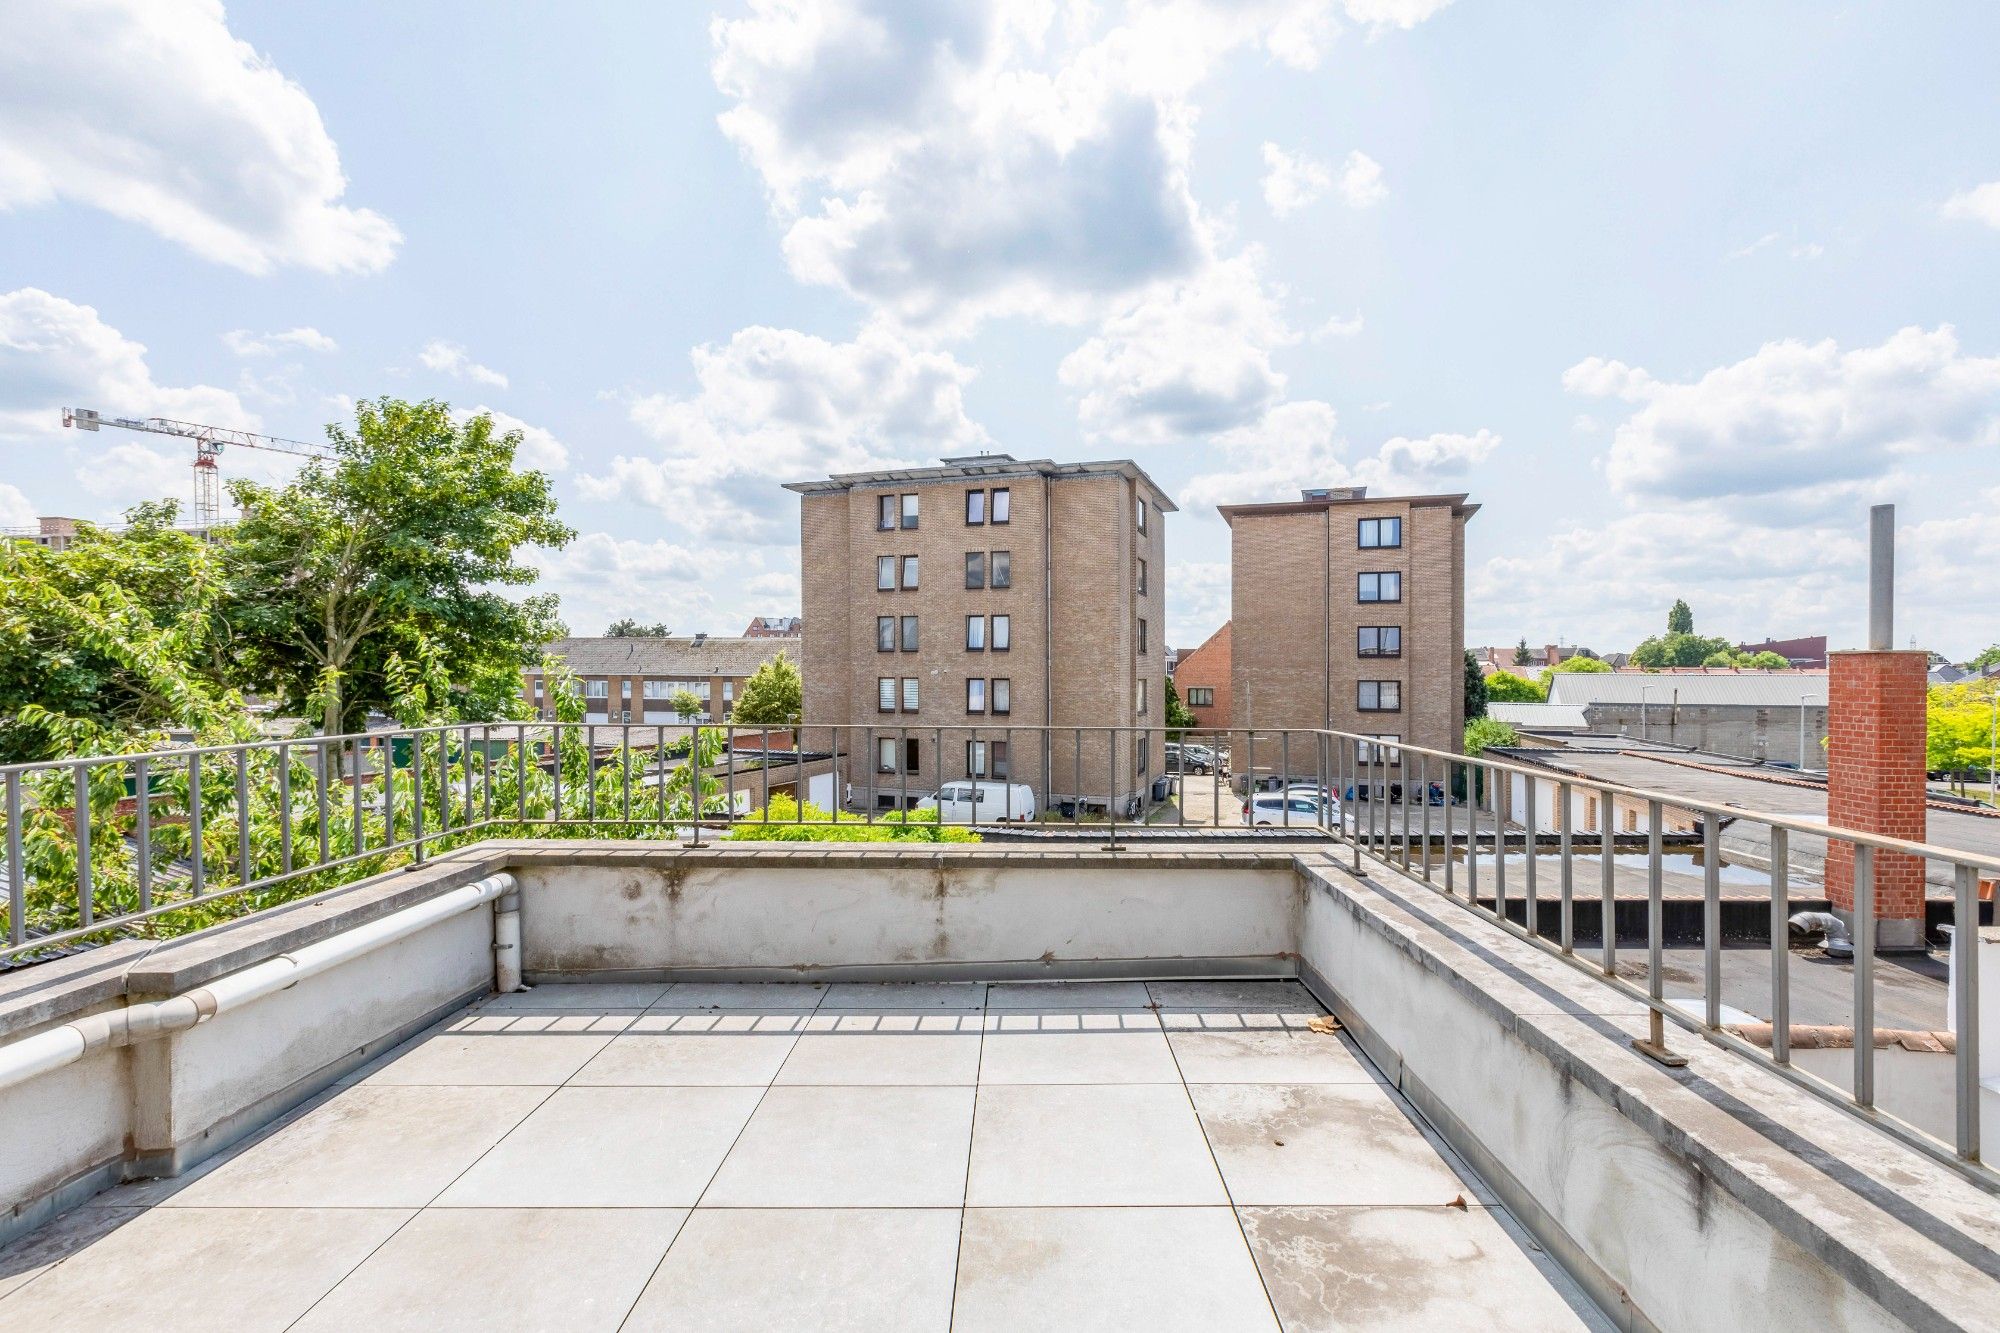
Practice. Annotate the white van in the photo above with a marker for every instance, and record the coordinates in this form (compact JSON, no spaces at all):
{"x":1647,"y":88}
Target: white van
{"x":995,"y":802}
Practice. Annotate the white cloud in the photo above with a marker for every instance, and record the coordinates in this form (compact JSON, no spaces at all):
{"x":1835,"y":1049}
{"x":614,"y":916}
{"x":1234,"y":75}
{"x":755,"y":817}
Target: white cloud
{"x":1189,"y":360}
{"x":245,"y":343}
{"x":540,"y":450}
{"x":1361,"y":181}
{"x":1796,"y":250}
{"x":777,"y":405}
{"x":1979,"y":204}
{"x":450,"y":359}
{"x":152,"y":111}
{"x":780,"y":587}
{"x":1291,"y":181}
{"x":1384,"y":14}
{"x":601,"y":578}
{"x":1806,"y":421}
{"x":15,"y":511}
{"x":1197,"y":600}
{"x":1339,"y":326}
{"x":1299,"y":444}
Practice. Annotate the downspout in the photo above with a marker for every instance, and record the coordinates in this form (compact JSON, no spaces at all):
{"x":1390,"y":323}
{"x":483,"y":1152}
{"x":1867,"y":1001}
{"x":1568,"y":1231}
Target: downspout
{"x":50,"y":1050}
{"x":1048,"y":647}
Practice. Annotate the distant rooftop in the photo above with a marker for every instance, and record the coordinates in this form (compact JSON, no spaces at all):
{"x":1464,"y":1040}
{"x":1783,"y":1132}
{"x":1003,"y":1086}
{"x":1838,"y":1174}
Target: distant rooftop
{"x":692,"y":655}
{"x":1776,"y":689}
{"x":1314,"y":499}
{"x":961,"y":467}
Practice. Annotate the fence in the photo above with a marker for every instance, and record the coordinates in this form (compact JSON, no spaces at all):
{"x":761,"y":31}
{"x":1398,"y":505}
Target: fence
{"x":99,"y":846}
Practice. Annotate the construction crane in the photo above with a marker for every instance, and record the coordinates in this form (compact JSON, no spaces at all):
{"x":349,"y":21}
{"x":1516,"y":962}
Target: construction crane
{"x":208,"y":446}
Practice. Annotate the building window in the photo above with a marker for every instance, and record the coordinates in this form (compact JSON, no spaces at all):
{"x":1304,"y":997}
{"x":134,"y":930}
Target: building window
{"x":1386,"y":586}
{"x":975,"y":569}
{"x":909,"y":694}
{"x":975,"y":634}
{"x":885,"y":513}
{"x":999,"y":751}
{"x":885,"y":573}
{"x":1003,"y":695}
{"x":911,"y":755}
{"x":885,"y":754}
{"x":1380,"y":532}
{"x":1139,"y":575}
{"x":1384,"y":745}
{"x":909,"y":511}
{"x":1379,"y":696}
{"x":1143,"y":753}
{"x":728,"y":690}
{"x":1379,"y":641}
{"x":596,"y":689}
{"x":909,"y":634}
{"x":1002,"y":507}
{"x":1003,"y":633}
{"x":975,"y":508}
{"x":975,"y":759}
{"x":885,"y":693}
{"x":1142,"y":696}
{"x":909,"y":573}
{"x":1201,"y":696}
{"x":655,"y":689}
{"x":1142,"y":637}
{"x":885,"y":634}
{"x":1139,"y":512}
{"x":975,"y":695}
{"x":1003,"y":569}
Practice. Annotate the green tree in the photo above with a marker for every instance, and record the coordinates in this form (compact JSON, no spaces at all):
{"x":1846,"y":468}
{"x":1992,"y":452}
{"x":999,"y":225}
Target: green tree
{"x":387,"y":561}
{"x":1986,"y":658}
{"x":772,"y":697}
{"x":1680,"y":619}
{"x":1768,"y":661}
{"x":1959,"y":728}
{"x":1573,"y":666}
{"x":1506,"y":687}
{"x":117,"y":635}
{"x":1677,"y":650}
{"x":1482,"y":733}
{"x":1521,"y":654}
{"x":1721,"y":659}
{"x":1179,"y":719}
{"x":1475,"y":687}
{"x":686,"y":704}
{"x":629,"y":628}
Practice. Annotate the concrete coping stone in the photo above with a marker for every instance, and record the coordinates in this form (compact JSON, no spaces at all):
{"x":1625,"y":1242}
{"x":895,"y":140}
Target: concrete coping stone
{"x":1914,"y":1235}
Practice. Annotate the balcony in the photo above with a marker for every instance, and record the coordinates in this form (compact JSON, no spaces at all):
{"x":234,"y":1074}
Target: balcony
{"x":556,"y":1081}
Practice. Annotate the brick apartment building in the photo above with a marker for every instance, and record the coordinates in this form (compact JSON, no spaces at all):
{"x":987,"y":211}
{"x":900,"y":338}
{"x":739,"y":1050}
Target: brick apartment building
{"x":945,"y":605}
{"x":1348,"y":611}
{"x":1202,"y":678}
{"x":634,"y":679}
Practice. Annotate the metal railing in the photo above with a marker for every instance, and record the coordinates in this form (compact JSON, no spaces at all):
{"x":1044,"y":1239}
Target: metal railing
{"x":96,"y":847}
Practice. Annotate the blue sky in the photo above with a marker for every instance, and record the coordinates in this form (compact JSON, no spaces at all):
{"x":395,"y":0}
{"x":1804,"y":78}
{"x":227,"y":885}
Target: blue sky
{"x":1674,"y":291}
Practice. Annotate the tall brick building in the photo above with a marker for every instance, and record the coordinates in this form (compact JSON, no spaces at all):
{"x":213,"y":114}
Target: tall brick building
{"x":1202,"y":678}
{"x":947,"y":607}
{"x":1348,"y":611}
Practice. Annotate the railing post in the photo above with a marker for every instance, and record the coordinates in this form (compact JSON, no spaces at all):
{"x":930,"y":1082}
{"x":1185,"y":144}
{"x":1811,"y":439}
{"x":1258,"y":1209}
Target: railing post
{"x":1864,"y":975}
{"x":17,"y":873}
{"x":1711,"y":921}
{"x":1655,"y":1043}
{"x":142,"y":832}
{"x":197,"y":869}
{"x":1531,"y":850}
{"x":417,"y":794}
{"x":1781,"y":954}
{"x":284,"y":805}
{"x":243,"y":815}
{"x":1965,"y":974}
{"x":85,"y":906}
{"x":1424,"y":795}
{"x":1607,"y":886}
{"x":1566,"y":881}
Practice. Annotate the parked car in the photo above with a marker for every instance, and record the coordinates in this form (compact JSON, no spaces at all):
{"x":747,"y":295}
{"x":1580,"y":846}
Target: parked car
{"x":1315,"y":792}
{"x":1299,"y":809}
{"x":982,"y":802}
{"x":1189,"y":759}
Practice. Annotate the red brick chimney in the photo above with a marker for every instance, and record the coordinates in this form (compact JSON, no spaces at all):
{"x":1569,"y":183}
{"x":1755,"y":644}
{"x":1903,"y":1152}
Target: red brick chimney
{"x":1875,"y":779}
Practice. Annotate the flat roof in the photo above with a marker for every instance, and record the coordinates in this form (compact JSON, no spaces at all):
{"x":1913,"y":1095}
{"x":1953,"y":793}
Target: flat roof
{"x":985,"y":465}
{"x":1313,"y":506}
{"x":1777,"y":689}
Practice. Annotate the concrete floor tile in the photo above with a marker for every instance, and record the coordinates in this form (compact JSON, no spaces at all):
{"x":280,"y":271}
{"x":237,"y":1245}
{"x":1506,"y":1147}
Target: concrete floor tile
{"x":1400,"y":1268}
{"x":714,"y":1058}
{"x":1060,"y":1146}
{"x":481,"y":1269}
{"x":598,"y":995}
{"x":372,"y":1146}
{"x":1157,"y":1269}
{"x":821,"y":1147}
{"x":1076,"y":1048}
{"x":1266,"y":1057}
{"x":1056,"y":996}
{"x":1323,"y":1143}
{"x":68,"y":1235}
{"x":884,"y":1057}
{"x":836,"y":1270}
{"x":1275,"y":996}
{"x":173,"y":1269}
{"x":905,"y":995}
{"x":537,"y":1058}
{"x":609,"y":1147}
{"x":739,"y":995}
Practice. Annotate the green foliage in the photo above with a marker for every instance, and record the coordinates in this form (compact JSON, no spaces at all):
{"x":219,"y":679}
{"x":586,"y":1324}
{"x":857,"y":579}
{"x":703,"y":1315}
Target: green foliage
{"x":119,"y":633}
{"x":771,"y":697}
{"x":374,"y":580}
{"x":686,"y":704}
{"x":777,"y":822}
{"x":1764,"y":661}
{"x":1475,"y":687}
{"x":1484,"y":732}
{"x":629,"y":628}
{"x":1678,"y":649}
{"x":1986,"y":659}
{"x":1722,"y":659}
{"x":1522,"y":655}
{"x":1680,"y":619}
{"x":1573,"y":666}
{"x":1507,"y":688}
{"x":1959,"y":733}
{"x":1179,"y":719}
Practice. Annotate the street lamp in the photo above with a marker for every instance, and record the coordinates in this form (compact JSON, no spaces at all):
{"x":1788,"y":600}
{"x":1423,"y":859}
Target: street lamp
{"x":1803,"y":699}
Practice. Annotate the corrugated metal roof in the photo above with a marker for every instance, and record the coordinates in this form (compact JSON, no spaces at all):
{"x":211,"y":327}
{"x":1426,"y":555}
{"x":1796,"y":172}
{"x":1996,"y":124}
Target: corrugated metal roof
{"x":673,"y":657}
{"x":1538,"y":717}
{"x":1779,"y":689}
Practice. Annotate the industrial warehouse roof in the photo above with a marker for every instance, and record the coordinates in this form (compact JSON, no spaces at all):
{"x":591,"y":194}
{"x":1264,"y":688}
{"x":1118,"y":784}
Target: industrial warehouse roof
{"x":701,"y":655}
{"x":1776,"y":689}
{"x":1538,"y":717}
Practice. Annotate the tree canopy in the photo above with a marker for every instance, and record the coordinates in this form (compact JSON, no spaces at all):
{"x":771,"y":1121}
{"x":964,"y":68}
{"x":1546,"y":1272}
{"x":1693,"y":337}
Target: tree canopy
{"x":686,"y":704}
{"x":1959,"y":733}
{"x":373,"y":580}
{"x":1506,"y":687}
{"x":1573,"y":666}
{"x":1481,"y":733}
{"x":1986,"y":659}
{"x":1677,"y":649}
{"x":1522,"y":654}
{"x":1680,"y":618}
{"x":772,"y":697}
{"x":629,"y":628}
{"x":1179,"y":719}
{"x":1475,"y":687}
